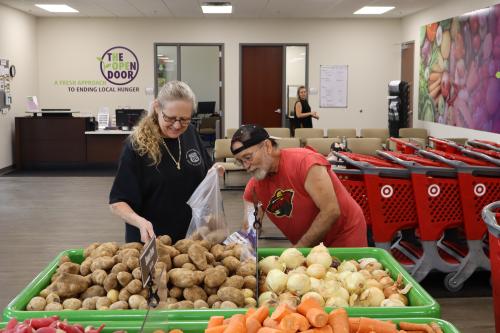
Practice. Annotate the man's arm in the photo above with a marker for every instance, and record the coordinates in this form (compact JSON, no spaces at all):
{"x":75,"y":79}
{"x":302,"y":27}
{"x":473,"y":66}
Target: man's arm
{"x":319,"y":186}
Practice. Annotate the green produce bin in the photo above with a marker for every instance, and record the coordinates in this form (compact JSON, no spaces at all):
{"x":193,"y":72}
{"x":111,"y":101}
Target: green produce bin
{"x":421,"y":304}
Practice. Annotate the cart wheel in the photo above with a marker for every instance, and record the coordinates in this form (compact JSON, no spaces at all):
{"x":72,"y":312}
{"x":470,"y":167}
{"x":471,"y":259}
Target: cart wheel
{"x":452,"y":287}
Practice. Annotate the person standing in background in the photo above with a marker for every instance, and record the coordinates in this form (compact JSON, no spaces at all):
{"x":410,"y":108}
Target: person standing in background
{"x":303,"y":113}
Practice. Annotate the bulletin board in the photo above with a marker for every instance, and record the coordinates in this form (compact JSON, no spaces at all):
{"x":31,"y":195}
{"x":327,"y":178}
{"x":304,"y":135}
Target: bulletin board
{"x":5,"y":97}
{"x":333,"y":86}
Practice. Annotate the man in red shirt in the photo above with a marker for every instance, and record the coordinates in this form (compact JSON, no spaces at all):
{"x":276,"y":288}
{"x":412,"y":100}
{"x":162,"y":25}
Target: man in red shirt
{"x":298,"y":191}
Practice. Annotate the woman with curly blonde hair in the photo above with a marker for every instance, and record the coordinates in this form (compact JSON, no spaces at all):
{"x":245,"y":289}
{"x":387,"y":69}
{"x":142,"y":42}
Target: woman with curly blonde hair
{"x":162,"y":163}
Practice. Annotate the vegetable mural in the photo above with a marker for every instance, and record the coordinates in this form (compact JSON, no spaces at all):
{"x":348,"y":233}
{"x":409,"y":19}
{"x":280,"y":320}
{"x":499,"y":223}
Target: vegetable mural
{"x":459,"y":61}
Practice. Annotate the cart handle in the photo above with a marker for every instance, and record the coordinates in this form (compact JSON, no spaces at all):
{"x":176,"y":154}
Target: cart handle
{"x":448,"y":143}
{"x":407,"y":164}
{"x":456,"y":164}
{"x":490,"y":218}
{"x":341,"y":171}
{"x":483,"y":144}
{"x":369,"y":169}
{"x":482,"y":156}
{"x":421,"y":169}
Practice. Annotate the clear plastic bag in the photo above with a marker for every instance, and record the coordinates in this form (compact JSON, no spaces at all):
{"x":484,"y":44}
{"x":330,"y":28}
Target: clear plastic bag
{"x":208,"y":220}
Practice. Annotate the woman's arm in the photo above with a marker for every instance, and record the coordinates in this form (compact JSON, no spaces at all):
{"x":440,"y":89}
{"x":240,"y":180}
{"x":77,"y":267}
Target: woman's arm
{"x":126,"y":213}
{"x":300,"y":114}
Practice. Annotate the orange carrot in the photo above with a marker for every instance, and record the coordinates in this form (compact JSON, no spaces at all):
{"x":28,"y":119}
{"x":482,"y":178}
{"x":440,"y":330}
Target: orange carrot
{"x":216,"y":329}
{"x":250,"y":312}
{"x":281,"y":311}
{"x":253,"y":325}
{"x":415,"y":327}
{"x":303,"y":322}
{"x":436,"y":327}
{"x":268,"y":322}
{"x":289,"y":324}
{"x":324,"y":329}
{"x":307,"y":305}
{"x":367,"y":324}
{"x":338,"y":320}
{"x":269,"y":330}
{"x":237,"y":324}
{"x":317,"y":317}
{"x":260,"y":314}
{"x":226,"y":321}
{"x":353,"y":324}
{"x":175,"y":330}
{"x":215,"y":321}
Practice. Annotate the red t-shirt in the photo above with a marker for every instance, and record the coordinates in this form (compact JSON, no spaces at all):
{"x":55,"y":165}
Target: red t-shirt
{"x":289,"y":206}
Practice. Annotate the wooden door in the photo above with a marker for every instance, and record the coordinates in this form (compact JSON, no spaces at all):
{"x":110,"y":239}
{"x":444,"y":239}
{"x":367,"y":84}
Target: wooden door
{"x":262,"y":84}
{"x":407,"y":56}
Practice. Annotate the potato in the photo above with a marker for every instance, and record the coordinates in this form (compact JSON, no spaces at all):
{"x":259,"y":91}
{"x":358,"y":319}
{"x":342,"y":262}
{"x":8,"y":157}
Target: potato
{"x":167,"y":250}
{"x":162,"y":305}
{"x":54,"y":307}
{"x":228,"y":305}
{"x":214,"y":277}
{"x":212,"y":299}
{"x":231,"y":294}
{"x":210,"y":258}
{"x":193,"y":293}
{"x":217,"y":251}
{"x":200,"y":304}
{"x":205,"y":243}
{"x":137,"y":302}
{"x":132,"y":262}
{"x":124,"y":278}
{"x":53,"y":298}
{"x":182,"y":305}
{"x":250,"y":282}
{"x":165,"y":259}
{"x":85,"y":266}
{"x":165,"y":240}
{"x":234,"y":281}
{"x":134,"y":245}
{"x":104,"y":263}
{"x":180,"y":260}
{"x":247,"y":292}
{"x":89,"y":303}
{"x":120,"y":305}
{"x":216,"y":236}
{"x":182,"y":278}
{"x":144,"y":293}
{"x":199,"y":276}
{"x":99,"y":276}
{"x":171,"y":300}
{"x":103,"y":303}
{"x":175,"y":292}
{"x":88,"y":250}
{"x":55,"y":277}
{"x":126,"y":253}
{"x":72,"y":304}
{"x":69,"y":267}
{"x":69,"y":285}
{"x":224,"y":268}
{"x":44,"y":293}
{"x":197,"y":256}
{"x":216,"y":305}
{"x":36,"y":304}
{"x":211,"y":291}
{"x":183,"y":245}
{"x":160,"y":266}
{"x":163,"y":293}
{"x":248,"y":268}
{"x":189,"y":266}
{"x":136,"y":273}
{"x":101,"y":252}
{"x":231,"y":263}
{"x":112,"y":295}
{"x":124,"y":295}
{"x":161,"y":278}
{"x":111,"y":282}
{"x":134,"y":287}
{"x":95,"y":290}
{"x":119,"y":267}
{"x":250,"y":302}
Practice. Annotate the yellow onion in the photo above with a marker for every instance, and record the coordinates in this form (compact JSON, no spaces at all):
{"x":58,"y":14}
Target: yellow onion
{"x":347,"y":266}
{"x":268,"y":298}
{"x":399,"y":297}
{"x":355,"y":283}
{"x":298,"y":284}
{"x":320,"y":248}
{"x":391,"y":303}
{"x":371,"y":297}
{"x":319,"y":257}
{"x":316,"y":271}
{"x":386,"y":281}
{"x":292,"y":258}
{"x":276,"y":281}
{"x":313,"y":295}
{"x":290,"y":299}
{"x":373,"y":283}
{"x":271,"y":262}
{"x":378,"y":274}
{"x":316,"y":284}
{"x":336,"y":302}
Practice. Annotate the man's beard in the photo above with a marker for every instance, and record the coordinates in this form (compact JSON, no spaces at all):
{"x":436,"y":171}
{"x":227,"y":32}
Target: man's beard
{"x":259,"y":174}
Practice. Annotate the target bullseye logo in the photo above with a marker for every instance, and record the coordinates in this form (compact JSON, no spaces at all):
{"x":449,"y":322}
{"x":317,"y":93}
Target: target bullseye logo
{"x":479,"y":190}
{"x":387,"y":191}
{"x":434,"y":190}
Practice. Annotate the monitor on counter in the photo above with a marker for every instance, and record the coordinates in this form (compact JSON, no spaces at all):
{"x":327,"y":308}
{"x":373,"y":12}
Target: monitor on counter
{"x":206,"y":108}
{"x":128,"y":118}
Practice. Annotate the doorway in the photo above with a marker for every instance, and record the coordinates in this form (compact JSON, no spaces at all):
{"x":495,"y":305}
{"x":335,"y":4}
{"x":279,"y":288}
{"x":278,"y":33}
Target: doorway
{"x":407,"y":57}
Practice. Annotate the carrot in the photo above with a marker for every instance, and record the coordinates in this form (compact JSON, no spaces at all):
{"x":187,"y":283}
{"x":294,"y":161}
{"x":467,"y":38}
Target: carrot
{"x":260,"y":314}
{"x":289,"y":324}
{"x":175,"y":330}
{"x":367,"y":324}
{"x":317,"y":317}
{"x":307,"y":305}
{"x":226,"y":321}
{"x":436,"y":327}
{"x":281,"y":311}
{"x":269,"y":330}
{"x":237,"y":324}
{"x":338,"y":320}
{"x":353,"y":324}
{"x":303,"y":322}
{"x":253,"y":325}
{"x":268,"y":322}
{"x":215,"y":321}
{"x":250,"y":311}
{"x":324,"y":329}
{"x":415,"y":327}
{"x":216,"y":329}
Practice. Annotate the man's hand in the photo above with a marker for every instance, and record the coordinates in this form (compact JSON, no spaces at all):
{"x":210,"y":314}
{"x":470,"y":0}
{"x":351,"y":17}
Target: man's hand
{"x":146,"y":229}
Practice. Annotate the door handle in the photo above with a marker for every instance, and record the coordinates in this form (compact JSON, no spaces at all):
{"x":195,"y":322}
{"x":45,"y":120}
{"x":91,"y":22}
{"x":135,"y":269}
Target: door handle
{"x":278,"y":111}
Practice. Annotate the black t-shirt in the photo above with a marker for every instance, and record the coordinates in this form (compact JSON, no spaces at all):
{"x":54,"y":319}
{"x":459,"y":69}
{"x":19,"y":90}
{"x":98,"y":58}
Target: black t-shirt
{"x":307,"y":121}
{"x":159,"y":193}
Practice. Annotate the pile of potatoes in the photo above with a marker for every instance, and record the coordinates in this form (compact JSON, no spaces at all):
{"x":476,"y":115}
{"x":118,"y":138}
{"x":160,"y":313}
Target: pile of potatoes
{"x":189,"y":274}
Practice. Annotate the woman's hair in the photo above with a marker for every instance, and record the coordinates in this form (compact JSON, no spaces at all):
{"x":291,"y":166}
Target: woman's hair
{"x":298,"y":91}
{"x":147,"y":138}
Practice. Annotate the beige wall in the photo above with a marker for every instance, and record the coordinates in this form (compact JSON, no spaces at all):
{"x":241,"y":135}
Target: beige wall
{"x":68,"y":48}
{"x":18,"y":44}
{"x":410,"y":31}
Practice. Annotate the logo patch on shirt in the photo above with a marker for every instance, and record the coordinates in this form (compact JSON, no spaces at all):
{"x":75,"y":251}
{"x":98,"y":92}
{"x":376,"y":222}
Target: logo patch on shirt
{"x":193,"y":157}
{"x":281,"y":203}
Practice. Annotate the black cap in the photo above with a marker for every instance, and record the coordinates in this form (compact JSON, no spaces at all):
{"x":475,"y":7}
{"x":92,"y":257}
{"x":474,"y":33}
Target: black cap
{"x":248,"y":136}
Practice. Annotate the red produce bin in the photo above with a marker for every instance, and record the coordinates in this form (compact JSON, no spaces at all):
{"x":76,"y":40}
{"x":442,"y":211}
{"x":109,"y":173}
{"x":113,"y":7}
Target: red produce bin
{"x":491,"y":216}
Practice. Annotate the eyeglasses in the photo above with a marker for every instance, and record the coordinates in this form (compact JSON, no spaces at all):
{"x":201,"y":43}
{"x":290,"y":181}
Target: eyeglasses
{"x":172,"y":120}
{"x":247,"y":158}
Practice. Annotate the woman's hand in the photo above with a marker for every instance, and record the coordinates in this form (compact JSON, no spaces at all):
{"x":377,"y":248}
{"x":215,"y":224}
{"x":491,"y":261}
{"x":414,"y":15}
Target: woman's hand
{"x":315,"y":115}
{"x":146,"y":229}
{"x":220,"y":169}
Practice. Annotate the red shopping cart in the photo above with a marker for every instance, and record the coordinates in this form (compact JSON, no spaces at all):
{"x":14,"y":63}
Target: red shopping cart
{"x":469,"y":151}
{"x":490,"y":145}
{"x":491,"y":216}
{"x":384,"y":192}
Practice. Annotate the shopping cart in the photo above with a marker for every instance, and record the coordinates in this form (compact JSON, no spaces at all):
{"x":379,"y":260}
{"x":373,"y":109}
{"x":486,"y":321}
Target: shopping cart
{"x":384,"y":192}
{"x":482,"y":154}
{"x":491,"y":216}
{"x":436,"y":191}
{"x":490,"y":145}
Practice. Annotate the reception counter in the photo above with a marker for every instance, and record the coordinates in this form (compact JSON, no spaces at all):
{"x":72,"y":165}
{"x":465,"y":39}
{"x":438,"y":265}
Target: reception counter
{"x":104,"y":146}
